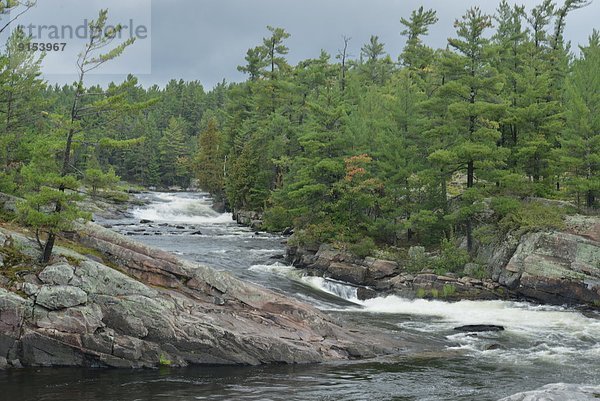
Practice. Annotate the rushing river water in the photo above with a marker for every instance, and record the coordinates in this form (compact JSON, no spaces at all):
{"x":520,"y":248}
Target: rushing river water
{"x":541,"y":344}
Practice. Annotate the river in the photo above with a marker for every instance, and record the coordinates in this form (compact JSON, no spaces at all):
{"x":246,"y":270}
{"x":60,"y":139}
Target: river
{"x":541,"y":344}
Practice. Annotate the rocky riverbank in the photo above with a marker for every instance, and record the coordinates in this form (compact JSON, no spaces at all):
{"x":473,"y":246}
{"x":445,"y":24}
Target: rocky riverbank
{"x":376,"y":277}
{"x":554,"y":267}
{"x":107,"y":301}
{"x":248,"y":218}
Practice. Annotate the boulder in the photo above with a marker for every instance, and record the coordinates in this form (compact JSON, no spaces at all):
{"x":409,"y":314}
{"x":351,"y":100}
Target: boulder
{"x":555,"y":267}
{"x":78,"y":320}
{"x":378,"y":268}
{"x":350,"y":273}
{"x":471,"y":269}
{"x":248,"y":218}
{"x":13,"y":311}
{"x":58,"y":274}
{"x":60,"y":297}
{"x":426,"y":280}
{"x":41,"y":349}
{"x":30,"y":289}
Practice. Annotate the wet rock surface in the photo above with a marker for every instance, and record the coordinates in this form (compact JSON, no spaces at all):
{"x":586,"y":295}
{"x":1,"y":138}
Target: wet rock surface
{"x":478,"y":328}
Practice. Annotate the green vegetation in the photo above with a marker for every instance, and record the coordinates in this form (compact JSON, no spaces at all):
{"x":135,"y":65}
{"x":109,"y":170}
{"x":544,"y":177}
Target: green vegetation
{"x":532,"y":216}
{"x":163,"y":361}
{"x":15,"y":263}
{"x":417,"y":259}
{"x":446,"y":292}
{"x":366,"y":152}
{"x":451,"y":258}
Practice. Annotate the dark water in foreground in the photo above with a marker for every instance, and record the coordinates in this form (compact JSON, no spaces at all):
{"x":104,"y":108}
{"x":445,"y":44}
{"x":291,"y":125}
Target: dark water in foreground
{"x":541,"y":345}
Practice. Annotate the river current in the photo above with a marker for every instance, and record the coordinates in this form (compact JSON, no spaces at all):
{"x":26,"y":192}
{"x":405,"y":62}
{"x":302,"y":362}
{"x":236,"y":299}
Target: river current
{"x":556,"y":347}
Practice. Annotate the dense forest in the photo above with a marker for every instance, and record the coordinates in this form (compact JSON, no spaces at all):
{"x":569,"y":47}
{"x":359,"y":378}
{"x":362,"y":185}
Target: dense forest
{"x":426,"y":147}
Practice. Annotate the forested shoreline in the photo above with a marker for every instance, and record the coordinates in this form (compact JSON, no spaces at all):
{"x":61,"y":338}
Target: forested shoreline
{"x":422,"y":148}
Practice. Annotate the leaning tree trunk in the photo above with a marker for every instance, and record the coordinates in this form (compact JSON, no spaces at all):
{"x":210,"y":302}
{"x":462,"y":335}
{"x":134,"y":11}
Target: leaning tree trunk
{"x":48,"y":248}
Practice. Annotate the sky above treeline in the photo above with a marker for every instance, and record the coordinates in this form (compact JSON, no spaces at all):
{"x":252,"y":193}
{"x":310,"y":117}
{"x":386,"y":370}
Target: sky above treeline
{"x":206,"y":40}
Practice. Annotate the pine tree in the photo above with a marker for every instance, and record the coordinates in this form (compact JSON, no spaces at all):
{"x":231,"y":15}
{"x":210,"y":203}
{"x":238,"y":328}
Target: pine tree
{"x":580,"y":150}
{"x":376,"y":64}
{"x":510,"y":39}
{"x":54,"y":194}
{"x":416,"y":56}
{"x":173,"y":153}
{"x":209,"y":162}
{"x":473,"y":109}
{"x":21,"y":103}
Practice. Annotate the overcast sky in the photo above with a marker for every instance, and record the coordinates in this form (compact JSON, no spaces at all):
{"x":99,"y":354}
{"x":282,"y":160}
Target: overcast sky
{"x":206,"y":40}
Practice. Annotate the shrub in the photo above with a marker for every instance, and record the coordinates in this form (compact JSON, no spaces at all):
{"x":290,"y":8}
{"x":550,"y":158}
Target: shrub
{"x":363,"y":247}
{"x":505,"y":205}
{"x":316,"y":234}
{"x":427,"y":226}
{"x":277,"y":219}
{"x":417,"y":259}
{"x":96,"y":179}
{"x":486,"y":234}
{"x":116,"y":196}
{"x":451,"y":259}
{"x":448,"y":290}
{"x":163,"y":361}
{"x":532,"y":216}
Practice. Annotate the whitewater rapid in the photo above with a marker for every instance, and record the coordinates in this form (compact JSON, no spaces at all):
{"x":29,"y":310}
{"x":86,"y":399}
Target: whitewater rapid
{"x":536,"y":338}
{"x":181,"y":208}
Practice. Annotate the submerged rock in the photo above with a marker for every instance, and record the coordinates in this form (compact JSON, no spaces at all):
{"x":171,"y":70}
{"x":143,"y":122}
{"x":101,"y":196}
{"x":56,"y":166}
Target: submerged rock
{"x":479,"y":328}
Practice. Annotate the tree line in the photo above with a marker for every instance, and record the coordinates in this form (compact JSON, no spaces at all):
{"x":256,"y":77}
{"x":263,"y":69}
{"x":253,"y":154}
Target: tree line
{"x":374,"y":150}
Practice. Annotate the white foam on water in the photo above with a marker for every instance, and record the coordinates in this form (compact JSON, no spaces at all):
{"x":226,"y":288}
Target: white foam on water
{"x":533,"y":333}
{"x":516,"y":315}
{"x":558,"y":392}
{"x":276,"y":268}
{"x":182,"y":209}
{"x":341,"y":290}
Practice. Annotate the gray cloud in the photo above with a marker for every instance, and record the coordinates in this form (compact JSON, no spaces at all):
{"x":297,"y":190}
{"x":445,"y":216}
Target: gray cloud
{"x":206,"y":40}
